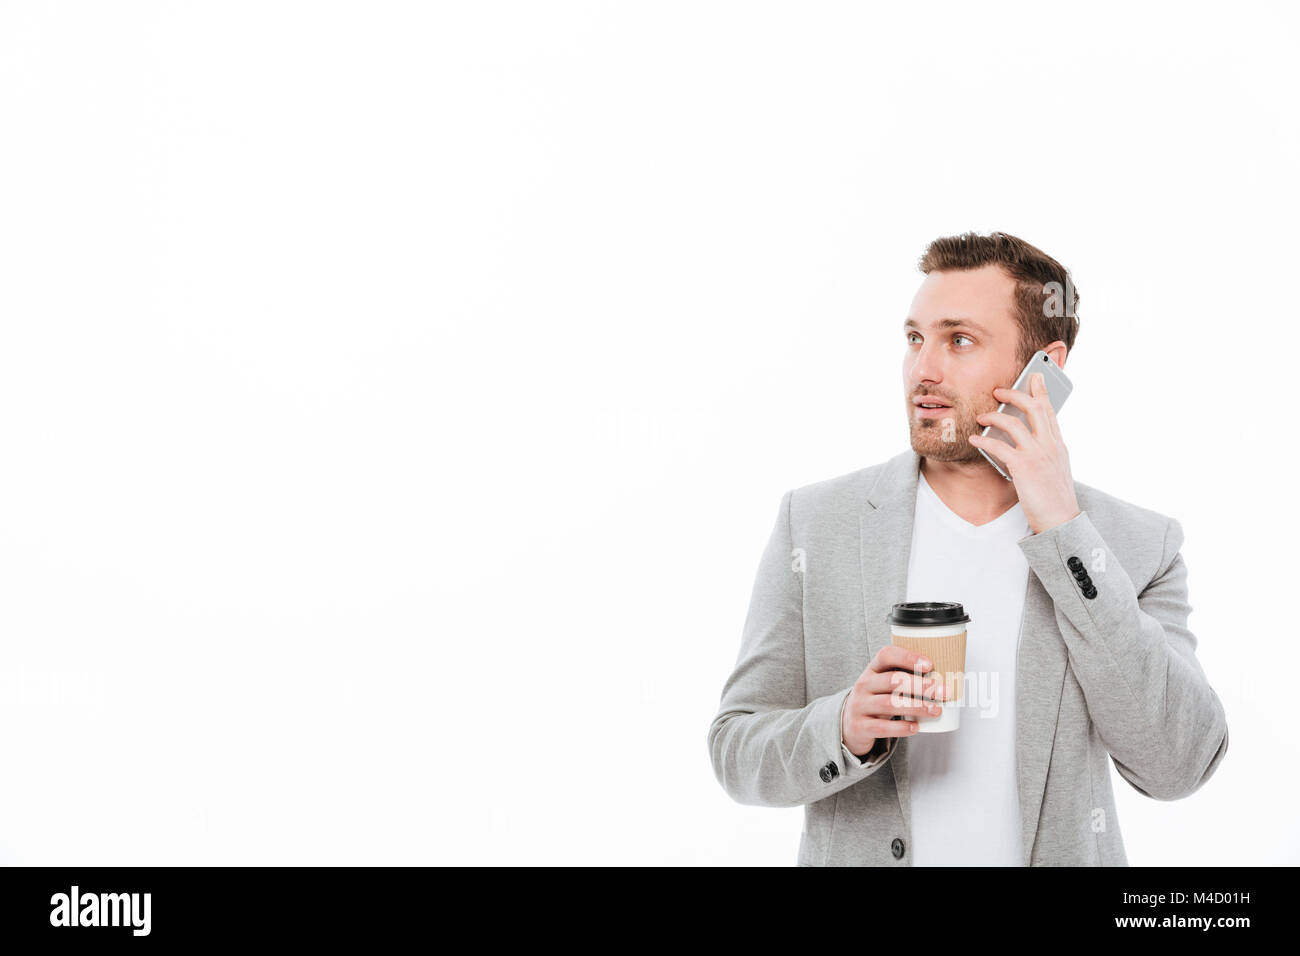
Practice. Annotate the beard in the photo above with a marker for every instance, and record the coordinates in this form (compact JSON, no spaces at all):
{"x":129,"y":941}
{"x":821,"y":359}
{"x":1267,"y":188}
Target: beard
{"x":946,"y":438}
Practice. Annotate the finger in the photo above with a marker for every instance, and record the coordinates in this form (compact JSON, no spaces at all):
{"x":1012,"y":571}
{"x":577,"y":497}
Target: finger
{"x":1049,"y":413}
{"x":996,"y":447}
{"x":884,"y":727}
{"x":1046,"y":414}
{"x":901,"y":682}
{"x":892,"y":656}
{"x":1013,"y":426}
{"x":1031,"y":404}
{"x":889,"y":705}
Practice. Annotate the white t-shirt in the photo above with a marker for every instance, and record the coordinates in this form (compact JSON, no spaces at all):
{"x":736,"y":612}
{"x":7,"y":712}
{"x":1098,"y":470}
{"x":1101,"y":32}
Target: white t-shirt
{"x":965,"y":801}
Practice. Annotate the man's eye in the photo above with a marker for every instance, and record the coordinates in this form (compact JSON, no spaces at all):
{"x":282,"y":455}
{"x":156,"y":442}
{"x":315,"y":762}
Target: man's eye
{"x":954,"y":338}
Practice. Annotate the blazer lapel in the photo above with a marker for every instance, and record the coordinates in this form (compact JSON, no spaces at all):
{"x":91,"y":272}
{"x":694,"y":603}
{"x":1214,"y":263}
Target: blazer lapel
{"x":885,"y":545}
{"x":1040,"y":675}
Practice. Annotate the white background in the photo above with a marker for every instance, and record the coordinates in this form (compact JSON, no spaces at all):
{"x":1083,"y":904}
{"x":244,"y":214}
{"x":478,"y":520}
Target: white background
{"x":395,"y":399}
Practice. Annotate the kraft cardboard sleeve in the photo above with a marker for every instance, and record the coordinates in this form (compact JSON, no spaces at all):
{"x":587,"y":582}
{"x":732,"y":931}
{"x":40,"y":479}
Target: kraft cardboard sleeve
{"x":948,"y":655}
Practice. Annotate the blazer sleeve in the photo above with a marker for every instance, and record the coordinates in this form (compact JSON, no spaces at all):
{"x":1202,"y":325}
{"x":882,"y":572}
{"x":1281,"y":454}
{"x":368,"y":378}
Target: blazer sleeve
{"x":770,"y":745}
{"x":1135,"y":659}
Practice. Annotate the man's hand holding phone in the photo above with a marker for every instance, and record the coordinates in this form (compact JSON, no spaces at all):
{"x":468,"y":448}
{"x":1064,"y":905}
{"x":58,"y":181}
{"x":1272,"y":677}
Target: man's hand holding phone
{"x":1039,"y":464}
{"x":892,"y":686}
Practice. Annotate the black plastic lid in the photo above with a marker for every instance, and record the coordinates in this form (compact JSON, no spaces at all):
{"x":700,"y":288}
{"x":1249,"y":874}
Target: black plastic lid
{"x":927,"y":614}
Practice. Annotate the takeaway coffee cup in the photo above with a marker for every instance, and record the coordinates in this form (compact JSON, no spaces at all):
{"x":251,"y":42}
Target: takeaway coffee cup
{"x":938,"y":631}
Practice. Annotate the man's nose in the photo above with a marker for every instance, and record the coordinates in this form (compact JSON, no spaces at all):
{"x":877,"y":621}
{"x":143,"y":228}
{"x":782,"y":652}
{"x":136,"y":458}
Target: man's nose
{"x":928,"y":365}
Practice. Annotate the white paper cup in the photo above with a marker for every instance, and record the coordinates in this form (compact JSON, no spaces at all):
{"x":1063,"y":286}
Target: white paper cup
{"x":944,"y":644}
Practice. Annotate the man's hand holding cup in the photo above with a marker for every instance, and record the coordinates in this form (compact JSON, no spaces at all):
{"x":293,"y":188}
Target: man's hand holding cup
{"x":889,"y":697}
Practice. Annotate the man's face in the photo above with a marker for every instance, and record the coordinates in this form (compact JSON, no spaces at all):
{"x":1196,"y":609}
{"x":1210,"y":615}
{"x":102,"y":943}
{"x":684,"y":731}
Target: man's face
{"x":958,"y":363}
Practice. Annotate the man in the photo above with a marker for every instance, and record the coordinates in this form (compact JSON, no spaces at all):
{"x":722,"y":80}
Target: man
{"x":1078,"y":603}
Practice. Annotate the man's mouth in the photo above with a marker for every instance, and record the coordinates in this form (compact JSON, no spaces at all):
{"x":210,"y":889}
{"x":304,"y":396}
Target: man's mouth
{"x":931,"y":409}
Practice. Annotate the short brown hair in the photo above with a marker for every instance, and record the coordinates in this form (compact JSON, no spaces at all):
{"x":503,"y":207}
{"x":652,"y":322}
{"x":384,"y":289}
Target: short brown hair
{"x":1030,"y":267}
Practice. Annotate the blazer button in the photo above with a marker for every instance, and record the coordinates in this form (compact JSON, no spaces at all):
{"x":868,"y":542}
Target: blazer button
{"x":896,"y":848}
{"x":1090,"y":592}
{"x":1074,"y":563}
{"x":829,"y":772}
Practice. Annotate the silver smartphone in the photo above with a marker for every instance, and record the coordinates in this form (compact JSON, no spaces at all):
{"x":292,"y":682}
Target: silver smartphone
{"x":1058,"y":390}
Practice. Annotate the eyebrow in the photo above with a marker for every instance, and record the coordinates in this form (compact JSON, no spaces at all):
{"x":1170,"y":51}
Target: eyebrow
{"x":949,"y":323}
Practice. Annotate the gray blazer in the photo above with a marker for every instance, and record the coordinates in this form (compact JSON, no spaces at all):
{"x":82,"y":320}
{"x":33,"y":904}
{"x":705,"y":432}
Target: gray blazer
{"x":1112,"y":677}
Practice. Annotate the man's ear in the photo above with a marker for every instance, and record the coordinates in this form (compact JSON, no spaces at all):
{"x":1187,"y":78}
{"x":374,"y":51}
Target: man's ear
{"x":1057,"y":352}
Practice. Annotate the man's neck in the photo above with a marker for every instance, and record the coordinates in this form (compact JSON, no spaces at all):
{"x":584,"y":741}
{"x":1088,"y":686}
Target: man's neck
{"x":974,"y":491}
